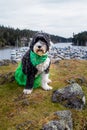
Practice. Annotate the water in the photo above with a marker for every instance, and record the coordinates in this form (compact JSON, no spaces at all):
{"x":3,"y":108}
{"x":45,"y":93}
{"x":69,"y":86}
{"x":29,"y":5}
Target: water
{"x":6,"y":53}
{"x":63,"y":45}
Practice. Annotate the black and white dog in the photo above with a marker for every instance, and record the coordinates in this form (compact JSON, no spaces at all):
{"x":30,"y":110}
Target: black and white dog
{"x":40,"y":45}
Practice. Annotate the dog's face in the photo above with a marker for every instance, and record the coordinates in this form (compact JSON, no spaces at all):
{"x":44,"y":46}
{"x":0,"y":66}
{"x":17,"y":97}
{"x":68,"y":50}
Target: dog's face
{"x":40,"y":47}
{"x":40,"y":44}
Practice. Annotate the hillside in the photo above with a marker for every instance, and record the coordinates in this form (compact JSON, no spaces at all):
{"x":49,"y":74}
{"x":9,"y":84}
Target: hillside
{"x":19,"y":112}
{"x":80,"y":39}
{"x":11,"y":37}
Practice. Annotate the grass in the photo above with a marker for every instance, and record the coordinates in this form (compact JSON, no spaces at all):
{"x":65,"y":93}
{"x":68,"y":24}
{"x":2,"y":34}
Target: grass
{"x":15,"y":112}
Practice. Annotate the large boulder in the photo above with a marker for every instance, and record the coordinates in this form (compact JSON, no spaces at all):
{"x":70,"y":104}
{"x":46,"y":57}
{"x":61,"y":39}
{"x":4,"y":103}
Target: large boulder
{"x":70,"y":96}
{"x":64,"y":122}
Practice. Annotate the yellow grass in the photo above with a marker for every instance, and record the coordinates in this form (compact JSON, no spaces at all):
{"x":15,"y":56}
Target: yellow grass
{"x":14,"y":109}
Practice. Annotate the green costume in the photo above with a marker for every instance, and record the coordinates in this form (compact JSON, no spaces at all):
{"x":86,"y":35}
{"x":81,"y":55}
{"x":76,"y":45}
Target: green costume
{"x":21,"y":78}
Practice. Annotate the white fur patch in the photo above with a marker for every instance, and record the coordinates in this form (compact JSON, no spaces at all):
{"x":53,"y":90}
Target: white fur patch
{"x":45,"y":79}
{"x":27,"y":91}
{"x":43,"y":66}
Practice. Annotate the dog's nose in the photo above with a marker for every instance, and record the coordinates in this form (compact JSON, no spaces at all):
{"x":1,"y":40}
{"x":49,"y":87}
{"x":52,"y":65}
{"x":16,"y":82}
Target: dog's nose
{"x":39,"y":46}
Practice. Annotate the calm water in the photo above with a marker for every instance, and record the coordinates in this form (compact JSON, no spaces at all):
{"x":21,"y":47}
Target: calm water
{"x":6,"y":53}
{"x":63,"y":45}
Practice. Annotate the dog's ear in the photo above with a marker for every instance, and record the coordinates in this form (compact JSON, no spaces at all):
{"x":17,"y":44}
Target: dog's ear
{"x":49,"y":40}
{"x":32,"y":42}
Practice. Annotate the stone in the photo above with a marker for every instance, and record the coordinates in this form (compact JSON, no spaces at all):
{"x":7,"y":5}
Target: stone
{"x":64,"y":121}
{"x":54,"y":61}
{"x":7,"y":78}
{"x":81,"y":80}
{"x":6,"y":62}
{"x":70,"y":96}
{"x":70,"y":81}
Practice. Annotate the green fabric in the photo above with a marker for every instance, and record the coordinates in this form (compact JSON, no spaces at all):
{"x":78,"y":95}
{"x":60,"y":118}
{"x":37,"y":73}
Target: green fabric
{"x":21,"y":78}
{"x":36,"y":59}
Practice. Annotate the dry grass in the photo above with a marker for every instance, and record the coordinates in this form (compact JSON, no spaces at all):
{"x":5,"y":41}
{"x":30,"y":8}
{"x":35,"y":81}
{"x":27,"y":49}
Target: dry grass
{"x":13,"y":107}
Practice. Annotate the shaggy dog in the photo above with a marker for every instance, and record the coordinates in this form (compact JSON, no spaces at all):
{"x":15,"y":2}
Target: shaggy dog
{"x":39,"y":47}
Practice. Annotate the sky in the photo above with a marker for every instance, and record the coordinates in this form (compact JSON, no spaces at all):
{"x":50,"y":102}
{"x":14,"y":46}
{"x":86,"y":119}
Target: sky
{"x":58,"y":17}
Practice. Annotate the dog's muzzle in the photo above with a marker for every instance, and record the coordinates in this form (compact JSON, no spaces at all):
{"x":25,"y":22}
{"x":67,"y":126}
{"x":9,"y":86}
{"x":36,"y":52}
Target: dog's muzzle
{"x":40,"y":52}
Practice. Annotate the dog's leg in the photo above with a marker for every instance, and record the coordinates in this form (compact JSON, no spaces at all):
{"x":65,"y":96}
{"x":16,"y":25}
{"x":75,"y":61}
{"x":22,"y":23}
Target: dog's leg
{"x":49,"y":81}
{"x":29,"y":84}
{"x":45,"y":79}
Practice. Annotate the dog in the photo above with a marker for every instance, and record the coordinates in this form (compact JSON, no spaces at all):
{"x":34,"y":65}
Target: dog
{"x":39,"y":47}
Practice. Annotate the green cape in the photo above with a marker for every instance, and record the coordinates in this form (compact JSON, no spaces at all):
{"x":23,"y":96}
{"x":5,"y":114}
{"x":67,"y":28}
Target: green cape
{"x":21,"y":78}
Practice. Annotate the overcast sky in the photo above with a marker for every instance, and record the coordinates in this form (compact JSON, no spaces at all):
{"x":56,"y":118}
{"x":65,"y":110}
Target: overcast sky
{"x":58,"y":17}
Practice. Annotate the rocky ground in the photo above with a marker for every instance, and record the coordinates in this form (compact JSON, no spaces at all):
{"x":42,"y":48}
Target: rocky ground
{"x":63,"y":108}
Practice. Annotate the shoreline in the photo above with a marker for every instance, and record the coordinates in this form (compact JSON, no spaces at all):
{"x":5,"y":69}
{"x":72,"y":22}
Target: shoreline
{"x":6,"y":47}
{"x":58,"y":50}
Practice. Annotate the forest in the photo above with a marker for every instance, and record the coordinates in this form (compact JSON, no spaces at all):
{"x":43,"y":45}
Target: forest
{"x":10,"y":36}
{"x":80,"y":39}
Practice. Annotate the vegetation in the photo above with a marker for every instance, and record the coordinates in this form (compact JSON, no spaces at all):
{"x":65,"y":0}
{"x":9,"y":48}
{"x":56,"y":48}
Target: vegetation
{"x":10,"y":36}
{"x":32,"y":111}
{"x":80,"y":39}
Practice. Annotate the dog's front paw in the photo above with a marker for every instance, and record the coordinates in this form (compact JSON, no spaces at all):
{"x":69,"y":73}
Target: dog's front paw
{"x":49,"y":81}
{"x":27,"y":91}
{"x":47,"y":87}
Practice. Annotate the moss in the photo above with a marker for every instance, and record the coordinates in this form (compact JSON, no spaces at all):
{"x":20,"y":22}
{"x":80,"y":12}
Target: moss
{"x":14,"y":114}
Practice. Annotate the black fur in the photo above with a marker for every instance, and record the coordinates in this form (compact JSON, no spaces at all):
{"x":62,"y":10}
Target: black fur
{"x":29,"y":70}
{"x":27,"y":66}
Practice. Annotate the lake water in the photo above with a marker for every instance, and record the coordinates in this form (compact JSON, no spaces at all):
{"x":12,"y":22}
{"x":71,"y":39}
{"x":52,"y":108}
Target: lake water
{"x":6,"y":53}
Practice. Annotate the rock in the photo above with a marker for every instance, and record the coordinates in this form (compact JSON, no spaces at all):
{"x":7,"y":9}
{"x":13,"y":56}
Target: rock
{"x":70,"y":96}
{"x":14,"y":62}
{"x":7,"y":62}
{"x":71,"y":81}
{"x":64,"y":122}
{"x":4,"y":62}
{"x":54,"y":61}
{"x":6,"y":78}
{"x":1,"y":63}
{"x":80,"y":80}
